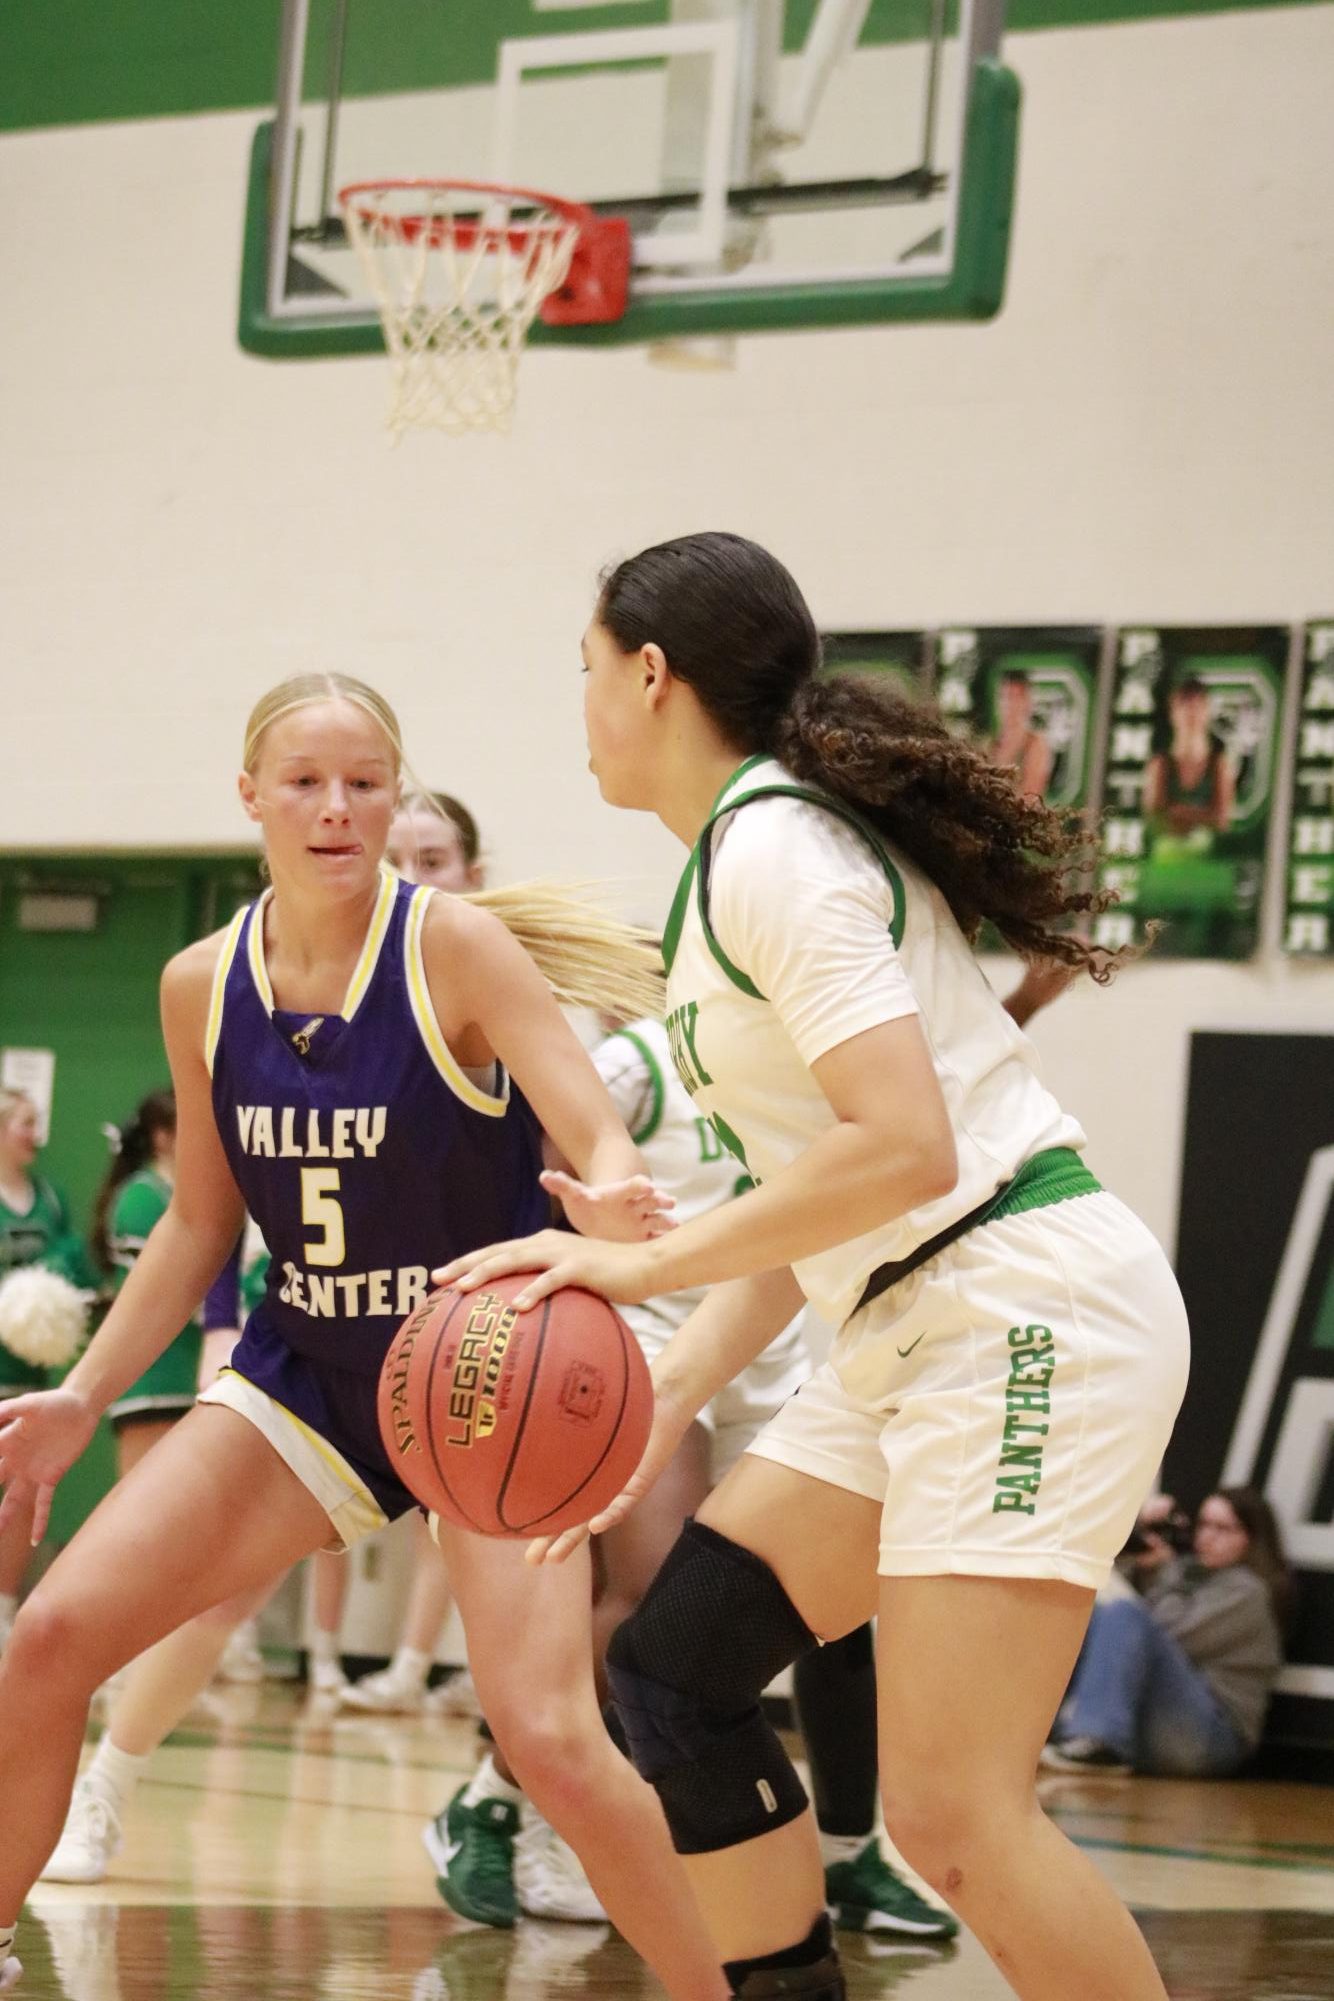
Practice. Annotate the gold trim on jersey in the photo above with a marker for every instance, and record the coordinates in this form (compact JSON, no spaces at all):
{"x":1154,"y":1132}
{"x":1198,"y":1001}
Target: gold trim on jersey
{"x":364,"y":970}
{"x":220,"y":972}
{"x":259,"y":971}
{"x":419,"y":994}
{"x":370,"y":951}
{"x":296,"y":1443}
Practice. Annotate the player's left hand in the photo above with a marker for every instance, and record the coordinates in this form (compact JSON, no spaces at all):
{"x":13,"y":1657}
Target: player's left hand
{"x":555,"y":1258}
{"x":625,"y":1212}
{"x":672,"y":1419}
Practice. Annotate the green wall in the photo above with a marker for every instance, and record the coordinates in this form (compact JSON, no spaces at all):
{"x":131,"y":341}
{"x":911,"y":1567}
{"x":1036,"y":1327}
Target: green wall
{"x":64,"y":62}
{"x":92,"y":997}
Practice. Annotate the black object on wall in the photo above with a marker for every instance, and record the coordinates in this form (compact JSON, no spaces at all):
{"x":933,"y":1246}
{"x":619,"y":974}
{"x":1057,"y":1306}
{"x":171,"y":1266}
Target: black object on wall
{"x":1255,"y":1256}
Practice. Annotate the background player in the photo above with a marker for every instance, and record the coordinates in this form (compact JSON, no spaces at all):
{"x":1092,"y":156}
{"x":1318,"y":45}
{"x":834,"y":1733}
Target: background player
{"x":433,"y":839}
{"x":834,"y":1685}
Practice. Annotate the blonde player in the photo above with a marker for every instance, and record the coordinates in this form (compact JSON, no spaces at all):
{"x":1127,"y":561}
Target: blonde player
{"x":341,"y":1062}
{"x":1012,"y":1346}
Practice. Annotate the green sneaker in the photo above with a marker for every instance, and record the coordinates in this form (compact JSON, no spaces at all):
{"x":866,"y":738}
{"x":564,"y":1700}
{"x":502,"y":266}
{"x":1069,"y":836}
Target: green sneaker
{"x":865,"y":1895}
{"x":472,"y":1848}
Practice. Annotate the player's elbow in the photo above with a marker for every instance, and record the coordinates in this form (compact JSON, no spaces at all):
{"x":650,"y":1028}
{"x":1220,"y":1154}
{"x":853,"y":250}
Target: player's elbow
{"x":936,"y":1167}
{"x":918,"y":1169}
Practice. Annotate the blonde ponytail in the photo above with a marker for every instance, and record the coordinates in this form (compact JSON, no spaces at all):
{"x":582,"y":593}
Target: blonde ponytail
{"x":588,"y":957}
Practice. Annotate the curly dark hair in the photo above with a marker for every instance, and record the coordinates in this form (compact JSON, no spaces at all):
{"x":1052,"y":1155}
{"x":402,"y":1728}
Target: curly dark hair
{"x":734,"y":626}
{"x":993,"y":853}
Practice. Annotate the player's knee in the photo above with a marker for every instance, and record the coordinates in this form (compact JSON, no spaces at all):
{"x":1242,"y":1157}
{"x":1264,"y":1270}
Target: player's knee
{"x":932,"y":1819}
{"x":50,"y":1648}
{"x":687,"y":1673}
{"x":549,"y":1745}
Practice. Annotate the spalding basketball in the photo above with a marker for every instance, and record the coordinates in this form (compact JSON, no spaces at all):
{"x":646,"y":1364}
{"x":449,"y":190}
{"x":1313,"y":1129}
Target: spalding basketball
{"x":515,"y":1424}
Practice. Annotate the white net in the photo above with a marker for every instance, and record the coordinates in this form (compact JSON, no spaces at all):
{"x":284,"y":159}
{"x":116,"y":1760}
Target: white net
{"x":459,"y":274}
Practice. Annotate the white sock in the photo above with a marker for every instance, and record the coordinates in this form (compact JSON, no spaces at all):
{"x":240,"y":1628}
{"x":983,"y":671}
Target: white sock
{"x":6,"y":1941}
{"x":115,"y":1774}
{"x":487,"y":1784}
{"x":324,"y":1647}
{"x":411,"y":1664}
{"x":841,"y":1847}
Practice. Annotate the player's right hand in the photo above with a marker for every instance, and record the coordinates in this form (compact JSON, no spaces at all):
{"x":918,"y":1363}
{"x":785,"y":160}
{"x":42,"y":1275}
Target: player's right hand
{"x":41,"y":1436}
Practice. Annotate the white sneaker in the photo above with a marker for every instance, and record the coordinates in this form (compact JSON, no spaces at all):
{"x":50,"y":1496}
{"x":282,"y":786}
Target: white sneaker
{"x":549,"y":1878}
{"x":455,"y":1697}
{"x":241,"y":1657}
{"x":328,"y":1684}
{"x":11,"y":1970}
{"x":90,"y":1838}
{"x":387,"y":1692}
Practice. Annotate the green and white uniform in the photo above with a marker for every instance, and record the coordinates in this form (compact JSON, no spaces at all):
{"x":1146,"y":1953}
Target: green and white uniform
{"x":40,"y":1235}
{"x":1009,"y":1401}
{"x":169,"y":1385}
{"x":687,"y":1160}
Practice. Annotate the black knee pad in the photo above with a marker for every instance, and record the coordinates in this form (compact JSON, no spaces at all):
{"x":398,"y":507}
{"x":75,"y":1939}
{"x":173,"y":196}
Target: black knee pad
{"x":687,"y":1672}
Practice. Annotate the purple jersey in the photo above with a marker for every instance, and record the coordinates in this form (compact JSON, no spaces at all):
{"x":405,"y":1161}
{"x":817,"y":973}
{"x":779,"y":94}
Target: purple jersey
{"x":363,"y":1151}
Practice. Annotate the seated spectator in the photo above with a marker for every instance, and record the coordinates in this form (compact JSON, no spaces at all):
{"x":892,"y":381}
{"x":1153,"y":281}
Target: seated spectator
{"x":1176,"y":1680}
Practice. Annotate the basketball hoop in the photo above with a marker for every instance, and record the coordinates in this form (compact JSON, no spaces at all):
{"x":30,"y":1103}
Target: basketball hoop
{"x":460,"y":270}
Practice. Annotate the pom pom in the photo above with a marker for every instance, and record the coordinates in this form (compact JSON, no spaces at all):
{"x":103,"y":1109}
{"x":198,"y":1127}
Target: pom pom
{"x":43,"y":1317}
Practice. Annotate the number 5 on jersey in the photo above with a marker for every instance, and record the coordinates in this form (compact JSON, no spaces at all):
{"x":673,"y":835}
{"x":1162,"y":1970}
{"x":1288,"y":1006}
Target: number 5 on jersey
{"x":320,"y":1210}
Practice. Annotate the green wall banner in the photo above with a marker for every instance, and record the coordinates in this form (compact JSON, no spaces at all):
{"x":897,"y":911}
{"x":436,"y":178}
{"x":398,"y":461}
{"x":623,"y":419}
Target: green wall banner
{"x":63,"y":61}
{"x":1189,"y":783}
{"x":1308,"y":927}
{"x":899,"y":655}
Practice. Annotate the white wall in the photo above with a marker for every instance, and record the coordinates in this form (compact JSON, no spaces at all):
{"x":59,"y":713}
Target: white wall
{"x":1145,"y":433}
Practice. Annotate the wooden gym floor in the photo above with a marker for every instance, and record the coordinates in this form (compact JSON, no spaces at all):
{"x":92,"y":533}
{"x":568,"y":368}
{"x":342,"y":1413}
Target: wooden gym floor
{"x":274,"y":1854}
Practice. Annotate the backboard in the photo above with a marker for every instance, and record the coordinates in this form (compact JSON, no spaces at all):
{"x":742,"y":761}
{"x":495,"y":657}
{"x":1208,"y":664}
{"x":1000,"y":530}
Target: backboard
{"x":782,"y":163}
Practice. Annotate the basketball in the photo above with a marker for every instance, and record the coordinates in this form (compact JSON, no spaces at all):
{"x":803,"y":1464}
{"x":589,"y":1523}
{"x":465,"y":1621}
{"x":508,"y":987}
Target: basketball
{"x":509,"y":1423}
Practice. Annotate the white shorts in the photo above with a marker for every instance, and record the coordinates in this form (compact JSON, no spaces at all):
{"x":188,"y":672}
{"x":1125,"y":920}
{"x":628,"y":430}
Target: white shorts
{"x":740,"y":1411}
{"x":1009,"y":1404}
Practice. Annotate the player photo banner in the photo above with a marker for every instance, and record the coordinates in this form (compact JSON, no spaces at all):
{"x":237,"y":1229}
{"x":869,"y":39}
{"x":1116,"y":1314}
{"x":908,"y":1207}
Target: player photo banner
{"x":1028,"y":693}
{"x":1308,"y":926}
{"x":898,"y":656}
{"x":1188,"y":786}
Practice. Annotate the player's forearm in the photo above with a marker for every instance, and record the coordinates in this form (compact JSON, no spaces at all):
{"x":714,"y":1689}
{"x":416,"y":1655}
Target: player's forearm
{"x":728,"y":1329}
{"x":850,"y":1180}
{"x":170,"y":1277}
{"x":612,"y":1156}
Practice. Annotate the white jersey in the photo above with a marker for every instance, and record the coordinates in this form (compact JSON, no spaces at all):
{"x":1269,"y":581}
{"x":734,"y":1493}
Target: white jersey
{"x":681,"y":1150}
{"x":794,"y":929}
{"x":687,"y":1160}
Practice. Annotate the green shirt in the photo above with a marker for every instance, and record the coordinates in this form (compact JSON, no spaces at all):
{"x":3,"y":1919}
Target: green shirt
{"x":139,"y":1205}
{"x":29,"y":1239}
